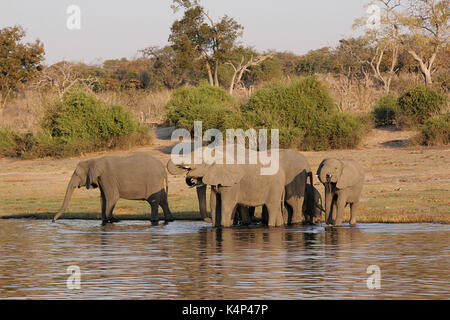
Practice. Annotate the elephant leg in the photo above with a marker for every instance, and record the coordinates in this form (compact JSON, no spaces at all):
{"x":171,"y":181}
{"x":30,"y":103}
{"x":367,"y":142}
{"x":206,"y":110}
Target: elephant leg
{"x":339,"y":217}
{"x":227,"y":212}
{"x":296,"y":203}
{"x":201,"y":196}
{"x":164,"y":203}
{"x":215,"y":204}
{"x":108,"y":200}
{"x":275,"y":215}
{"x":103,"y":206}
{"x":287,"y":213}
{"x":245,"y":217}
{"x":109,"y":208}
{"x":264,"y":215}
{"x":154,"y":217}
{"x":251,"y":213}
{"x":353,"y":212}
{"x":237,"y":215}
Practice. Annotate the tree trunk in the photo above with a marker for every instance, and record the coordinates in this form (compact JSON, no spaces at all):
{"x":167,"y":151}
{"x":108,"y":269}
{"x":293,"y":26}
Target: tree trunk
{"x":210,"y":76}
{"x":216,"y":74}
{"x":425,"y":67}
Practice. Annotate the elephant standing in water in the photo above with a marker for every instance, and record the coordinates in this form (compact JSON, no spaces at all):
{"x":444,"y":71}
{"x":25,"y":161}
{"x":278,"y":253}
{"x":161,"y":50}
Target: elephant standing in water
{"x":240,"y":184}
{"x":343,"y":181}
{"x":296,"y":169}
{"x":136,"y":177}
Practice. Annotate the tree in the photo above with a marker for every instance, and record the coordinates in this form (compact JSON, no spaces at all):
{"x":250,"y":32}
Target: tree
{"x":63,"y":76}
{"x":19,"y":62}
{"x":420,"y":27}
{"x":244,"y":60}
{"x":165,"y":65}
{"x":371,"y":52}
{"x":196,"y":36}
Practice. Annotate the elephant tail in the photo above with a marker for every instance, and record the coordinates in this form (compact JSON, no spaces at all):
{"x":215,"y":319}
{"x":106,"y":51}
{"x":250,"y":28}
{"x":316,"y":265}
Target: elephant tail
{"x":166,"y":184}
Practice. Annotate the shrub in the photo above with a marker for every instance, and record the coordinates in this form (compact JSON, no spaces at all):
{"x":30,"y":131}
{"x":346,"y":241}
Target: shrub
{"x":335,"y":131}
{"x":14,"y":144}
{"x":305,"y":114}
{"x":385,"y":111}
{"x":435,"y":131}
{"x":80,"y":116}
{"x":76,"y":124}
{"x":418,"y":104}
{"x":205,"y":103}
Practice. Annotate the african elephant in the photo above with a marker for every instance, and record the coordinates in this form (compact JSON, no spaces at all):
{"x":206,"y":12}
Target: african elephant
{"x":312,"y":206}
{"x":343,"y":181}
{"x":239,"y":184}
{"x":296,"y":169}
{"x":135,"y":177}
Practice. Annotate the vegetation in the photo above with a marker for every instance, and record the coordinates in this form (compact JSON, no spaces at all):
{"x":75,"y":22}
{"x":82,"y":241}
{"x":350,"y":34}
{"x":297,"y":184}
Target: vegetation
{"x":385,"y":111}
{"x":435,"y":131}
{"x":363,"y":76}
{"x":418,"y":104}
{"x":205,"y":103}
{"x":78,"y":123}
{"x":305,"y":114}
{"x":19,"y":62}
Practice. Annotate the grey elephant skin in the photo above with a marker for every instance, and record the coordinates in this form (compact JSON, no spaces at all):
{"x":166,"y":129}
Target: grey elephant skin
{"x":240,"y":184}
{"x":135,"y":177}
{"x":312,"y":206}
{"x":343,"y":181}
{"x":296,"y":169}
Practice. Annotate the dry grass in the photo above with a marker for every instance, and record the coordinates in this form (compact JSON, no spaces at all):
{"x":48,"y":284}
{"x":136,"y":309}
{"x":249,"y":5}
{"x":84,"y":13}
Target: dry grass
{"x":147,"y":106}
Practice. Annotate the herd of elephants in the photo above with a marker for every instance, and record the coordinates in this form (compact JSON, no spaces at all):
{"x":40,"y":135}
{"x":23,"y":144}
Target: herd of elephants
{"x":287,"y":197}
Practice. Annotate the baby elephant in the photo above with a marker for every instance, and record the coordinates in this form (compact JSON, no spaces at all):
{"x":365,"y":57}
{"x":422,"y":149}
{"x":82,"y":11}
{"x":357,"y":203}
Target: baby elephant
{"x":136,"y":177}
{"x":343,"y":181}
{"x":312,"y":206}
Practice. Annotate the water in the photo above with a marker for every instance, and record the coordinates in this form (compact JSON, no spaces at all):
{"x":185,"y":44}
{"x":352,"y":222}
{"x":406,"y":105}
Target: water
{"x":191,"y":260}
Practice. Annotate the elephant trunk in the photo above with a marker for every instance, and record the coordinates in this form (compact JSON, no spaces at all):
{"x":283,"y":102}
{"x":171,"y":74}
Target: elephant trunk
{"x":174,"y":169}
{"x":70,"y":188}
{"x":328,"y":200}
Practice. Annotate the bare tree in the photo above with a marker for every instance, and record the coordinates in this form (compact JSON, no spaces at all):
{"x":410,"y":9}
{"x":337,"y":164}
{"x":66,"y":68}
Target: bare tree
{"x":241,"y":68}
{"x":63,"y":76}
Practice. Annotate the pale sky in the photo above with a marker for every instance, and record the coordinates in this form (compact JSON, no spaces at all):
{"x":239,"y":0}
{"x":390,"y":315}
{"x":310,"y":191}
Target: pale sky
{"x":115,"y":29}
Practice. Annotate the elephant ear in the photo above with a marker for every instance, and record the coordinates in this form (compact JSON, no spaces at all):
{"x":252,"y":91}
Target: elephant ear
{"x":94,"y":172}
{"x":349,"y":176}
{"x":225,"y":175}
{"x":174,"y":169}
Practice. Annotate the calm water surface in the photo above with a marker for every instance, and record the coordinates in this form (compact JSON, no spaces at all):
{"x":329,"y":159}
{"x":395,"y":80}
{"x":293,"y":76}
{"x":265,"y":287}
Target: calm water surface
{"x":191,"y":260}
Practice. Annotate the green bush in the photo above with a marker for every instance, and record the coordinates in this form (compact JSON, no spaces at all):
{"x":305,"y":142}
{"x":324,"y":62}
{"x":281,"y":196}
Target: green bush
{"x":205,"y":103}
{"x":82,"y":117}
{"x":385,"y":111}
{"x":76,"y":124}
{"x":418,"y":104}
{"x":305,"y":114}
{"x":435,"y":131}
{"x":335,"y":131}
{"x":13,"y":144}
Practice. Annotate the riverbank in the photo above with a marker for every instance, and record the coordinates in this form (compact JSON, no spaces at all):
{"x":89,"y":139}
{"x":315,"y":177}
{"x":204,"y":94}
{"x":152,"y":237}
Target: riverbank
{"x":403,"y":184}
